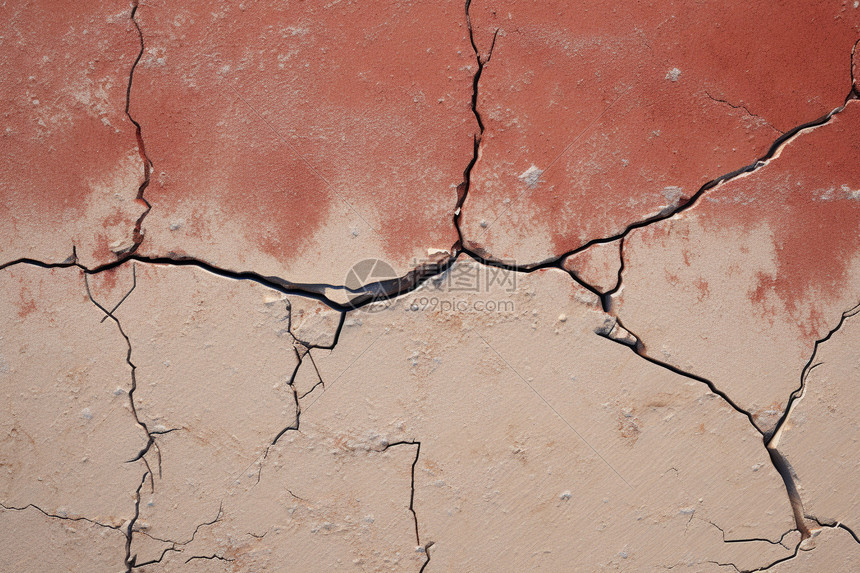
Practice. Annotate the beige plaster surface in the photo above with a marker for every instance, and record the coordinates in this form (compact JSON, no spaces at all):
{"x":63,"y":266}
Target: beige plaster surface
{"x":429,"y":286}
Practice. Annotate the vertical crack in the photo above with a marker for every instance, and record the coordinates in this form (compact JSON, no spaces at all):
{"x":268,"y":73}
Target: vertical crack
{"x":463,"y":188}
{"x":129,"y":558}
{"x":296,"y":399}
{"x":150,"y":439}
{"x":147,"y":164}
{"x":855,"y":89}
{"x":425,"y":548}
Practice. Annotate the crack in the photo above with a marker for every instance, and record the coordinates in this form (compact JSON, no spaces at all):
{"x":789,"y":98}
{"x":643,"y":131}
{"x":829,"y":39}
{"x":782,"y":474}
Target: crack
{"x":426,"y":547}
{"x":463,"y":188}
{"x":57,"y":516}
{"x":321,"y":382}
{"x":772,"y":153}
{"x":798,"y":394}
{"x":176,"y":544}
{"x":606,"y":298}
{"x":751,"y":539}
{"x":426,"y":552}
{"x":640,"y":350}
{"x":295,"y":425}
{"x":833,"y":524}
{"x":793,"y":554}
{"x":150,"y":440}
{"x":855,"y":89}
{"x":388,"y":289}
{"x":209,"y":557}
{"x":147,"y":163}
{"x":772,"y":440}
{"x":129,"y":558}
{"x":125,"y":296}
{"x":746,"y":109}
{"x":776,"y":459}
{"x":557,"y":261}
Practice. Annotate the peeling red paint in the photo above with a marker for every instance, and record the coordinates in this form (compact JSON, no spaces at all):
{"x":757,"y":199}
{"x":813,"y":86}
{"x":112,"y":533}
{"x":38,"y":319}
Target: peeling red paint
{"x":809,"y":199}
{"x":626,"y":110}
{"x":66,"y":139}
{"x":286,"y":120}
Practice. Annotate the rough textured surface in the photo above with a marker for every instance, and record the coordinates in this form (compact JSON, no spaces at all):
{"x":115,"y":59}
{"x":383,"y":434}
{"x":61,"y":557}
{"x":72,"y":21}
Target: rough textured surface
{"x":760,"y":268}
{"x":72,"y":165}
{"x":58,"y":358}
{"x":274,"y":128}
{"x":598,"y":266}
{"x":601,"y":115}
{"x":819,"y":438}
{"x":429,"y":286}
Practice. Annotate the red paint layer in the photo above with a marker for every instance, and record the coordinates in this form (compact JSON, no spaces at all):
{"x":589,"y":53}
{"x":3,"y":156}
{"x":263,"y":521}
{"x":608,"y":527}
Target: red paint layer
{"x":278,"y":117}
{"x":628,"y":108}
{"x":66,"y":140}
{"x":809,"y":198}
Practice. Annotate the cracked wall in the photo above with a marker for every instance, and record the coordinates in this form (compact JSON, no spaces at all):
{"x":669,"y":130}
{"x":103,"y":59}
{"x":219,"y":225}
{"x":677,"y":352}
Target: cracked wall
{"x":435,"y":286}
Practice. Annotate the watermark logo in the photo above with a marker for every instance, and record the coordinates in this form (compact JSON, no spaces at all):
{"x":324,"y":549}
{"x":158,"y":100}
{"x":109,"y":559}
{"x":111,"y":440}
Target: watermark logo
{"x":366,"y":273}
{"x":449,"y":289}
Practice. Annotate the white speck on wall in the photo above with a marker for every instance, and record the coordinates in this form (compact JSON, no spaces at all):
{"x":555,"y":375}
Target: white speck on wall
{"x":531,"y":176}
{"x":673,"y":75}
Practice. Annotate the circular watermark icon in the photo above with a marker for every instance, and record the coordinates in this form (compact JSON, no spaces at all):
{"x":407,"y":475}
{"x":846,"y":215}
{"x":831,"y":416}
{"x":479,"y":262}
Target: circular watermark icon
{"x":363,"y":278}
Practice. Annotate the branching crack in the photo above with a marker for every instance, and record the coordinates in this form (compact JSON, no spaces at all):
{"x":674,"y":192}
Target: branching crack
{"x":751,"y":539}
{"x":175,"y":545}
{"x":296,"y":399}
{"x":833,"y":524}
{"x":810,"y":365}
{"x":683,"y":205}
{"x":150,"y":440}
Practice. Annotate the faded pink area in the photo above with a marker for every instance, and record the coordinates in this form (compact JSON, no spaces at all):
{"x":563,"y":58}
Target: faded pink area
{"x":809,"y":198}
{"x":586,"y":93}
{"x":275,"y":116}
{"x":64,"y":72}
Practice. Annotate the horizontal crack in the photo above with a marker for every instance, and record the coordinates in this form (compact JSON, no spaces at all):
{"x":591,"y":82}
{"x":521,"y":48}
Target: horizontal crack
{"x":57,"y":516}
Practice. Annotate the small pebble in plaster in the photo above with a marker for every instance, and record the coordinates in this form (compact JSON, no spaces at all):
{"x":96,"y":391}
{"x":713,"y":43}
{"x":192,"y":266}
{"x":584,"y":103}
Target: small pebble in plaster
{"x":565,"y":495}
{"x":673,"y":75}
